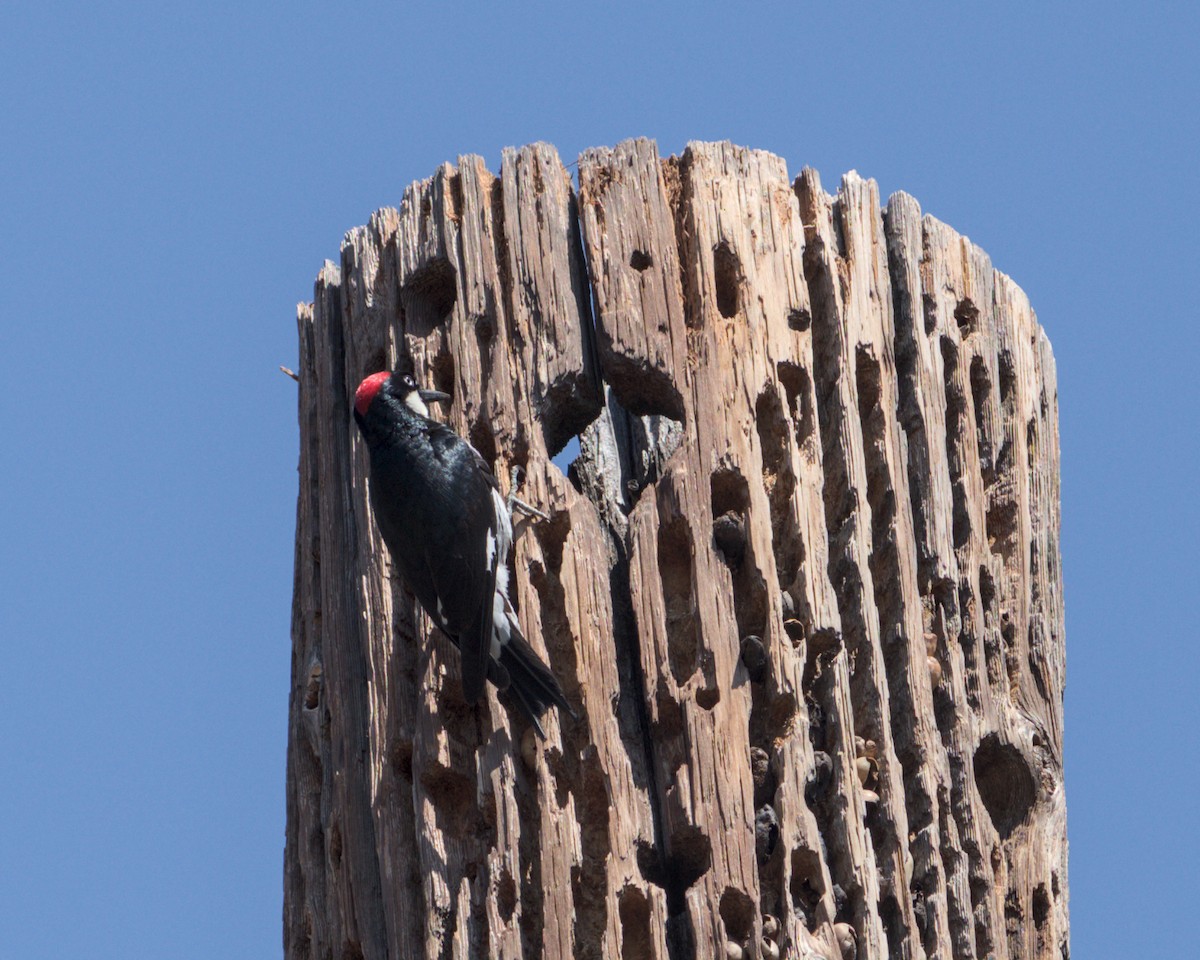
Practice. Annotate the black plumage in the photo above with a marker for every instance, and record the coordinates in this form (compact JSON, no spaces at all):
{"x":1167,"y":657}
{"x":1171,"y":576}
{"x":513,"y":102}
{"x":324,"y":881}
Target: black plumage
{"x":448,"y":529}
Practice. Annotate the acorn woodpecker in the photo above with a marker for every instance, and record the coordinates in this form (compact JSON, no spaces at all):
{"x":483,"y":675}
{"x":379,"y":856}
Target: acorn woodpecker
{"x":449,"y":530}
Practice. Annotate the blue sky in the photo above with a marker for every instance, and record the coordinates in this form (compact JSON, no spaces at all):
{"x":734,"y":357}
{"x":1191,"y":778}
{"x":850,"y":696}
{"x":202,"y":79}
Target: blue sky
{"x":171,"y":180}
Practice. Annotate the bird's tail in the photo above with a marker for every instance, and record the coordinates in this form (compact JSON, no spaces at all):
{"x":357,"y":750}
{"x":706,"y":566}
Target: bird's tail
{"x":531,"y":683}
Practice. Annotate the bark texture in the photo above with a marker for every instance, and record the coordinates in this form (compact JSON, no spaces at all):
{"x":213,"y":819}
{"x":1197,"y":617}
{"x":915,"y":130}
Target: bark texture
{"x":802,"y":583}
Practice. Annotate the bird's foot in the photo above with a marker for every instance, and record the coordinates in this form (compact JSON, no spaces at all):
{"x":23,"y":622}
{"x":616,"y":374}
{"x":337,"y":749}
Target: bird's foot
{"x":516,"y":478}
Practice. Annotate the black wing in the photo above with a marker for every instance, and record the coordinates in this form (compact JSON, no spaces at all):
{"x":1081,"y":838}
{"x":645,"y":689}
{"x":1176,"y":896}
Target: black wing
{"x":464,"y":580}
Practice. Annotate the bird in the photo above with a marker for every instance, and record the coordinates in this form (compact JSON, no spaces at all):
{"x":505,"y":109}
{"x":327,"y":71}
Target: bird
{"x":449,"y":529}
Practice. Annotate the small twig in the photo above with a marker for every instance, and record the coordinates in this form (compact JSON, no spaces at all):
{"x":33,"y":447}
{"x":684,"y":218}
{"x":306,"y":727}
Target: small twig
{"x":290,"y":373}
{"x":514,"y":485}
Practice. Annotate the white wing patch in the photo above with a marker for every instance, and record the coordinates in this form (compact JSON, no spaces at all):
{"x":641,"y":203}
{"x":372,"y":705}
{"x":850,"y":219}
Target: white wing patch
{"x":503,"y":616}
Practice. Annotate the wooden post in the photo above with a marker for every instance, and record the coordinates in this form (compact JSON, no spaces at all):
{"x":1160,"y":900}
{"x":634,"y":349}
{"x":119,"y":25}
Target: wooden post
{"x":803,"y":582}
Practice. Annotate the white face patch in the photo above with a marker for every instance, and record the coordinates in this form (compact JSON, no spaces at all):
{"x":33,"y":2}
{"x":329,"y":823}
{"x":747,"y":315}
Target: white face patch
{"x":414,"y":403}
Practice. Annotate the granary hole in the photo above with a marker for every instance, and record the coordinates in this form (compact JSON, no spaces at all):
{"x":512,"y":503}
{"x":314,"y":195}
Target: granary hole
{"x":312,"y":692}
{"x":429,"y":295}
{"x":799,"y":318}
{"x":690,"y":858}
{"x":867,"y":380}
{"x":966,"y":315}
{"x":679,"y":596}
{"x":806,"y":884}
{"x":640,"y":261}
{"x":779,"y":482}
{"x":797,"y":384}
{"x":929,"y":312}
{"x":1008,"y":377}
{"x":727,"y":274}
{"x":1005,"y":784}
{"x":506,"y":895}
{"x":484,"y":441}
{"x":449,"y":791}
{"x":402,"y":759}
{"x":633,"y":909}
{"x":737,"y":913}
{"x":1041,"y":905}
{"x":708,"y":697}
{"x":335,"y":845}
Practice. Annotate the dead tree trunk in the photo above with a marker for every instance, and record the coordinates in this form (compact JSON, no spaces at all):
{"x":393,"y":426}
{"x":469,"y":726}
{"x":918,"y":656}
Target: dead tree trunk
{"x":804,"y":420}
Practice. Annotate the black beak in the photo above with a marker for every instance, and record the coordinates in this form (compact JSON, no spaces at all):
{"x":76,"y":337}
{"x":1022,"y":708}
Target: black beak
{"x":433,"y":396}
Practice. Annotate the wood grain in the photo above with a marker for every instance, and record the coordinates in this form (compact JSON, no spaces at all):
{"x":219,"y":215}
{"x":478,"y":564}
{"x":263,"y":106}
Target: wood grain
{"x":810,"y":420}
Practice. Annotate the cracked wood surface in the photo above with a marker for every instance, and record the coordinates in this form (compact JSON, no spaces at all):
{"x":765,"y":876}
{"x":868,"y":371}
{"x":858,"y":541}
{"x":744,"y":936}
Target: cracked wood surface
{"x":804,"y":419}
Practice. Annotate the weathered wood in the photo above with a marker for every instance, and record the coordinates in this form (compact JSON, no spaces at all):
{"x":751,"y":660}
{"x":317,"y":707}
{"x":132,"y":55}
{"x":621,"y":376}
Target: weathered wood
{"x":803,"y":581}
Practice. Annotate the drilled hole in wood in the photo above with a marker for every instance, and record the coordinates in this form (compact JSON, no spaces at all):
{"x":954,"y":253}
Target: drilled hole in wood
{"x":730,"y":497}
{"x":640,"y":260}
{"x":668,"y":722}
{"x":452,"y":708}
{"x":766,"y":833}
{"x":312,"y":693}
{"x":737,"y":913}
{"x":335,"y":846}
{"x":867,"y":380}
{"x":893,"y":925}
{"x":485,"y":327}
{"x":797,"y":384}
{"x":708,"y":697}
{"x":987,"y":588}
{"x":799,"y":319}
{"x":782,"y":713}
{"x":1008,"y":378}
{"x":688,"y":859}
{"x":552,"y":536}
{"x":1005,"y":784}
{"x":679,"y":596}
{"x":763,"y":775}
{"x":633,"y":910}
{"x":779,"y":481}
{"x":429,"y":295}
{"x":506,"y":895}
{"x":956,"y":405}
{"x":558,"y":631}
{"x":966,"y":315}
{"x":929,"y":312}
{"x":727,"y":275}
{"x":455,"y":196}
{"x":590,"y":890}
{"x":805,"y":884}
{"x":981,"y":388}
{"x":1041,"y":905}
{"x":1014,"y":920}
{"x":484,"y":441}
{"x":1003,"y":523}
{"x":402,"y":759}
{"x":450,"y":792}
{"x":729,"y":537}
{"x":954,"y":398}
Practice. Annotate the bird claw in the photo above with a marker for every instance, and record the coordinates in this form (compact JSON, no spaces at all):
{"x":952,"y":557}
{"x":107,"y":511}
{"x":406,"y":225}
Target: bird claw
{"x":516,"y":478}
